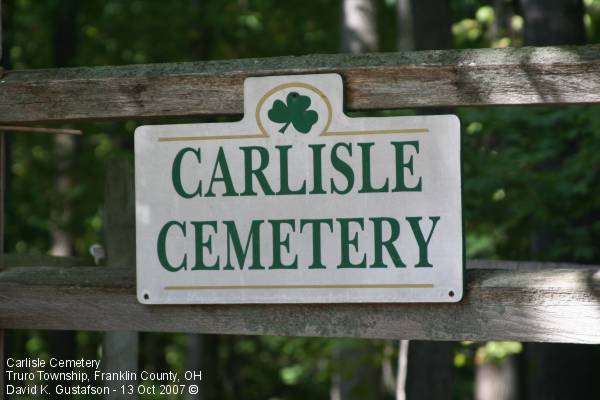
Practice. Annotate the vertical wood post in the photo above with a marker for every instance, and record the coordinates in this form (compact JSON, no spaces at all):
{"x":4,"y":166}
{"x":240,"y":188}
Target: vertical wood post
{"x":2,"y":367}
{"x":2,"y":180}
{"x":120,"y":349}
{"x":2,"y":189}
{"x":402,"y":367}
{"x":429,"y":371}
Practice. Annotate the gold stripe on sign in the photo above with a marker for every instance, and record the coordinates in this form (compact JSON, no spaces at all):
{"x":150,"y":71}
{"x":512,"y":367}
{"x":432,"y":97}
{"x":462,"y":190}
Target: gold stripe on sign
{"x":259,"y":136}
{"x":211,"y":137}
{"x":350,"y":286}
{"x":375,"y":132}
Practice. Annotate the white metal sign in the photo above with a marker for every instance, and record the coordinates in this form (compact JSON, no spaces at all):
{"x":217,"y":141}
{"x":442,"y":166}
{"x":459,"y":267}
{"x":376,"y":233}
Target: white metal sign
{"x":299,"y":203}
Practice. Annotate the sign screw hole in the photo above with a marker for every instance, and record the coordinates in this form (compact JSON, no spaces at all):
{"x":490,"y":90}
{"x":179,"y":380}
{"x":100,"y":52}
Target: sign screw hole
{"x":146,"y":296}
{"x":451,"y":293}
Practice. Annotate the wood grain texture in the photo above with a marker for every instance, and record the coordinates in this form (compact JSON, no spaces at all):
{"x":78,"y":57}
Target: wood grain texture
{"x":26,"y":260}
{"x":2,"y":358}
{"x":481,"y":77}
{"x":121,"y":346}
{"x":557,"y":305}
{"x":30,"y":129}
{"x":119,"y":217}
{"x":1,"y":217}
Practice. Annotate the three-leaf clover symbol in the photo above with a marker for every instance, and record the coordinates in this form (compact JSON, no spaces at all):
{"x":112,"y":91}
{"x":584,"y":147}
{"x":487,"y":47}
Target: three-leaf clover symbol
{"x":294,"y":111}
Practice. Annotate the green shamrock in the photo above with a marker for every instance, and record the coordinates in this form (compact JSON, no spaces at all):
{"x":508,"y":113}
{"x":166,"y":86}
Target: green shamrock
{"x":295,"y":112}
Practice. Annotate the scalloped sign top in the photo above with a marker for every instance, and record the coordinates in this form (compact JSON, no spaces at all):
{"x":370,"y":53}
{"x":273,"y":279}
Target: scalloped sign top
{"x":299,"y":203}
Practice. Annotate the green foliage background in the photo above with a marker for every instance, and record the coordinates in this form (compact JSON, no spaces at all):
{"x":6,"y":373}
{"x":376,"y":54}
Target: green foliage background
{"x":531,"y":175}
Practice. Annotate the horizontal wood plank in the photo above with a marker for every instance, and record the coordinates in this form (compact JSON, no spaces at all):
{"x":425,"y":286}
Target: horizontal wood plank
{"x":556,"y":305}
{"x":482,"y":77}
{"x":29,"y":260}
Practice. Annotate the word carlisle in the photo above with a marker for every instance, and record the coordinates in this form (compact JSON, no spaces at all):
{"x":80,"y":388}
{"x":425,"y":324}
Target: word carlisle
{"x":299,"y":203}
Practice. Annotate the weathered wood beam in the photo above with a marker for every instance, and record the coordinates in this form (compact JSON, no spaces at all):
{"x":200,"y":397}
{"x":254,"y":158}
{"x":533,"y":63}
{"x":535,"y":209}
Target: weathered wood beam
{"x":547,"y":305}
{"x":2,"y":177}
{"x":27,"y":260}
{"x":482,"y":77}
{"x":31,"y":129}
{"x":525,"y":265}
{"x":121,"y":347}
{"x":11,"y":260}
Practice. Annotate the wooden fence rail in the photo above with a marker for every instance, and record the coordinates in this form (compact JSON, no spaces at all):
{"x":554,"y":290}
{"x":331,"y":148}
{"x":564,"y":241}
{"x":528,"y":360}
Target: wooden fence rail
{"x":503,"y":300}
{"x":484,"y":77}
{"x":512,"y":303}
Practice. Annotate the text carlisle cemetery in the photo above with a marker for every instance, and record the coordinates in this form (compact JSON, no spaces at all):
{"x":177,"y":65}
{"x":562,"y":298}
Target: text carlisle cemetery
{"x":299,"y":203}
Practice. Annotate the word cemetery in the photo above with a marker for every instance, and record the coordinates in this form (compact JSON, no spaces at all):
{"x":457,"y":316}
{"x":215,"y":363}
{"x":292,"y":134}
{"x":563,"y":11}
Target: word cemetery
{"x":299,"y":203}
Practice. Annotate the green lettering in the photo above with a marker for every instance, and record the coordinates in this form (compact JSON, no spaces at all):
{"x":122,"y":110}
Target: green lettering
{"x":343,"y":167}
{"x":176,"y":174}
{"x":388,"y":244}
{"x":221,"y":165}
{"x":284,"y":187}
{"x":317,"y":169}
{"x":201,"y":245}
{"x":258,"y":172}
{"x":423,"y":244}
{"x":367,"y":186}
{"x":401,"y":165}
{"x":233,"y":238}
{"x":346,"y":242}
{"x":278,"y":243}
{"x":316,"y":238}
{"x":161,"y":247}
